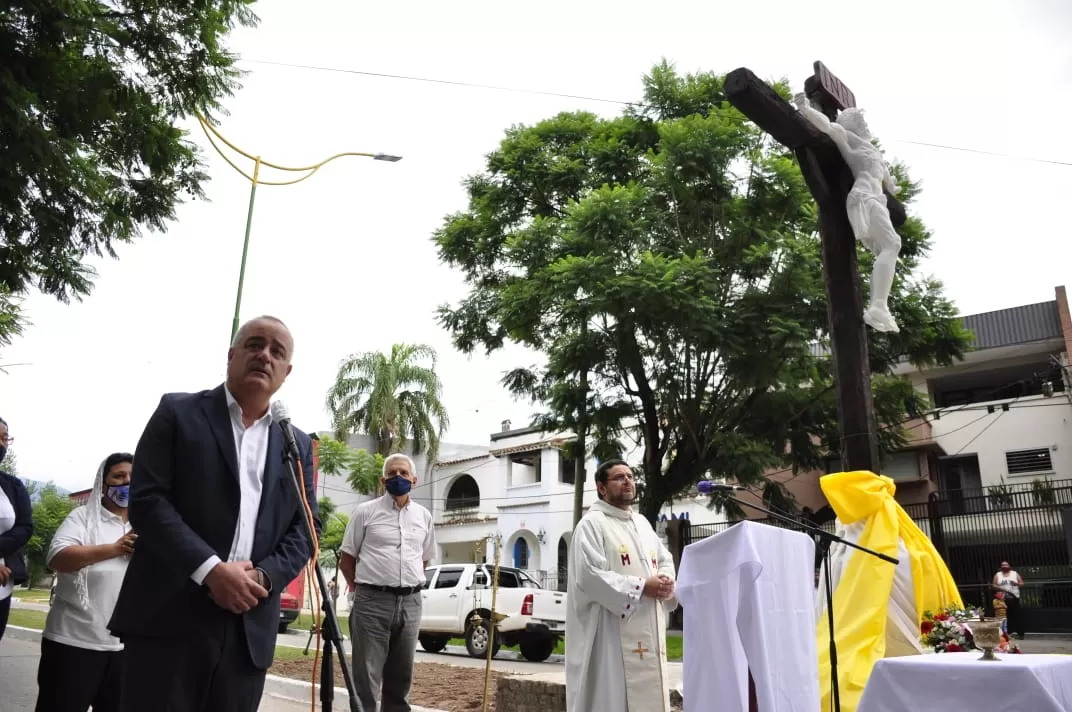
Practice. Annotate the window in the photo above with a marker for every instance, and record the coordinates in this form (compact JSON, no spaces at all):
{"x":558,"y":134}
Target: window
{"x":567,"y":469}
{"x":464,"y":493}
{"x":901,"y":466}
{"x":508,"y":579}
{"x":429,"y":574}
{"x":448,"y":578}
{"x":525,"y":468}
{"x":1022,"y":462}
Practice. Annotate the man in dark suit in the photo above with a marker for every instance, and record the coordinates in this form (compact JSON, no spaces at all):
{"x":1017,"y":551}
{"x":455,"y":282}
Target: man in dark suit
{"x":220,"y":534}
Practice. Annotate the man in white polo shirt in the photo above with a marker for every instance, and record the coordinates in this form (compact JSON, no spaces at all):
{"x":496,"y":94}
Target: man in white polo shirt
{"x":388,"y":543}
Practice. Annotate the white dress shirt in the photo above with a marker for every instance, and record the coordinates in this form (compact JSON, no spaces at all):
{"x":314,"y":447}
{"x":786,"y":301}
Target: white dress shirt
{"x":69,"y":623}
{"x":390,"y":543}
{"x":7,"y":523}
{"x":251,"y":444}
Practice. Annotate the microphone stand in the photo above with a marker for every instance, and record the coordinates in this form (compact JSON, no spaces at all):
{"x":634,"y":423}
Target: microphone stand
{"x":330,"y":624}
{"x":826,"y":539}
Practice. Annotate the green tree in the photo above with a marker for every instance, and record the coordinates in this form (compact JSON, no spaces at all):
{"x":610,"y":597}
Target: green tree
{"x":49,"y":511}
{"x":395,"y":397}
{"x":90,"y":148}
{"x":666,"y":264}
{"x":333,"y":531}
{"x":10,"y":463}
{"x":361,"y":468}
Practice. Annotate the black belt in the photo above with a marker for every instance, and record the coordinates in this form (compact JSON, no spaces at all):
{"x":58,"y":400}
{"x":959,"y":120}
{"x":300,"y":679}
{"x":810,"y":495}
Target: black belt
{"x":396,"y":590}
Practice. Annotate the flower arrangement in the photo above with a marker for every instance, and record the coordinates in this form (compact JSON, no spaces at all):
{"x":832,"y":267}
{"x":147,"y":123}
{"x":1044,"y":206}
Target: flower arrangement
{"x":947,"y":631}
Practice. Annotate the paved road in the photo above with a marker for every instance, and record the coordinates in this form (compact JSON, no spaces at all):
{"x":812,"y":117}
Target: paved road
{"x":505,"y":661}
{"x":19,"y":653}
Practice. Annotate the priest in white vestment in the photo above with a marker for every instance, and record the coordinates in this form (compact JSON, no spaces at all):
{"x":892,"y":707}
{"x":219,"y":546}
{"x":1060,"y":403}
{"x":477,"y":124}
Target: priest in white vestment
{"x":621,"y":588}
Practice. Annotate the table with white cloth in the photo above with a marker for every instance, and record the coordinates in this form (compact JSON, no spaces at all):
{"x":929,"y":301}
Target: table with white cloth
{"x":960,"y":681}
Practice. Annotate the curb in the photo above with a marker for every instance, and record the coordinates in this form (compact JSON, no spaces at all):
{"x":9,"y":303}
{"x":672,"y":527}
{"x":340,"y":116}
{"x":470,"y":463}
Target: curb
{"x":340,"y":692}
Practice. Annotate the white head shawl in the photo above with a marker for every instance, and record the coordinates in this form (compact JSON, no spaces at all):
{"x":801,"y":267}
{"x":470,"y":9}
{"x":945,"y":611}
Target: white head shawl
{"x":94,"y":513}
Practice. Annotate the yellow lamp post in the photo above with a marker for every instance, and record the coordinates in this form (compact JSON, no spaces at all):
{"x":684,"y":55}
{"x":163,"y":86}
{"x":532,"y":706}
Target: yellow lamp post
{"x":213,"y":136}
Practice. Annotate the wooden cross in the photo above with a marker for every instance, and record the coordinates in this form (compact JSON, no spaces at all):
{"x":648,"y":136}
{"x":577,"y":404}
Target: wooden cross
{"x":829,"y":181}
{"x":639,"y":649}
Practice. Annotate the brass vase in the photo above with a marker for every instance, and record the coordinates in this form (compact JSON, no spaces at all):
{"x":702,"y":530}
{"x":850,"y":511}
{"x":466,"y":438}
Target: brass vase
{"x":987,"y":636}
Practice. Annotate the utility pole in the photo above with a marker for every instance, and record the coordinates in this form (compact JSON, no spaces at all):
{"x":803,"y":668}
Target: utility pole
{"x":581,"y":446}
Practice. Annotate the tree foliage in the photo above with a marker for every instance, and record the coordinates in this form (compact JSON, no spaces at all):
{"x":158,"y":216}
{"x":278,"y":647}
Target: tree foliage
{"x":49,"y":510}
{"x":90,"y":150}
{"x":395,"y":397}
{"x":10,"y":463}
{"x":333,"y":531}
{"x":361,"y":468}
{"x":671,"y":253}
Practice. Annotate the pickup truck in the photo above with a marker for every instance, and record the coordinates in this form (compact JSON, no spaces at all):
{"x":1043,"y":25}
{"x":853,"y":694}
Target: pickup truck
{"x":457,"y":604}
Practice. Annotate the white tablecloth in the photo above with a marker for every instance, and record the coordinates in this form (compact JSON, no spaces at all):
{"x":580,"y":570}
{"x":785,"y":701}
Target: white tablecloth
{"x":960,"y":681}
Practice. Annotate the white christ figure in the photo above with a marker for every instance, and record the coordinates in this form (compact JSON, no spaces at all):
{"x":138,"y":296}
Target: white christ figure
{"x":866,"y":204}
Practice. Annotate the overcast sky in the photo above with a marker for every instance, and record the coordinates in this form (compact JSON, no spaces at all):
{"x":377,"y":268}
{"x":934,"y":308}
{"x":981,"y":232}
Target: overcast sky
{"x":346,"y":260}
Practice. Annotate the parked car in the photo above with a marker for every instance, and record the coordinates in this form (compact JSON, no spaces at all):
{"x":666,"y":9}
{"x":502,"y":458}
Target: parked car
{"x":457,"y":604}
{"x":289,"y":608}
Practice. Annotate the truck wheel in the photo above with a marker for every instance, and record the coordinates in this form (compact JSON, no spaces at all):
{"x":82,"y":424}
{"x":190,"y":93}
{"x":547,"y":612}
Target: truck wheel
{"x":537,"y":649}
{"x":283,"y":625}
{"x":432,"y":643}
{"x":476,"y":639}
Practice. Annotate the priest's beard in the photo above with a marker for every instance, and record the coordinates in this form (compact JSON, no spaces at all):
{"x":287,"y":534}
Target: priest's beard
{"x":621,"y":500}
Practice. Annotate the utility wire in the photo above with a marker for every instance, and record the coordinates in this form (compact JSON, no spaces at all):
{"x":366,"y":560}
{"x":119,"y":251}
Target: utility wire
{"x":602,"y":100}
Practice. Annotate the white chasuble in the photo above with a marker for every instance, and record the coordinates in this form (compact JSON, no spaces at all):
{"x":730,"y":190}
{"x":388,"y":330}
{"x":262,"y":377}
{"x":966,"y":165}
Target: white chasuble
{"x":615,"y":636}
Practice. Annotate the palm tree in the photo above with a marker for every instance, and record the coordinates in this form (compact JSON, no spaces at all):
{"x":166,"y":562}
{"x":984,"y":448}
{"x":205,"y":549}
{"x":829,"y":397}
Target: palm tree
{"x":396,"y":398}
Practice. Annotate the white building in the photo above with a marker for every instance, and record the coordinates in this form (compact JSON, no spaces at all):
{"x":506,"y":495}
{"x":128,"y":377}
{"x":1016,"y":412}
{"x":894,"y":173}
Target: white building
{"x":1004,"y":413}
{"x":520,"y":487}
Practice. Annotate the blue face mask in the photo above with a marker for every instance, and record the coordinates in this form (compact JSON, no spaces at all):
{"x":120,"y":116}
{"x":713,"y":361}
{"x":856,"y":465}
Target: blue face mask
{"x":119,"y":494}
{"x":398,"y":486}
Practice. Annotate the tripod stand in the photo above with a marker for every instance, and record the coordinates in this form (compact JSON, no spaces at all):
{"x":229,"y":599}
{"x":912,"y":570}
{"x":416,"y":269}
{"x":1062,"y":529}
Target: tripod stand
{"x":824,"y":540}
{"x":330,"y":624}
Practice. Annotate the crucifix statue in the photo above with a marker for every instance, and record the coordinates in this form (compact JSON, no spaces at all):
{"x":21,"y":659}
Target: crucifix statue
{"x":854,"y":191}
{"x":866,"y":203}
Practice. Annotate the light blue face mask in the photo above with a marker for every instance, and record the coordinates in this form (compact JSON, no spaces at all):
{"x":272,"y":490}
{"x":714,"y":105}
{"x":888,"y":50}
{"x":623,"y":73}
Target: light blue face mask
{"x":119,"y":494}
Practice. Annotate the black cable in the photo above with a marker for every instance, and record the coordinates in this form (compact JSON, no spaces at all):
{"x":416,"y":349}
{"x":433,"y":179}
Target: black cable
{"x":602,"y":100}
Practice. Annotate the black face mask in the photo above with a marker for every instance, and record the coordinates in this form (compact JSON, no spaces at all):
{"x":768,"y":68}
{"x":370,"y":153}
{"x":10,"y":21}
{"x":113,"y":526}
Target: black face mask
{"x":3,"y":452}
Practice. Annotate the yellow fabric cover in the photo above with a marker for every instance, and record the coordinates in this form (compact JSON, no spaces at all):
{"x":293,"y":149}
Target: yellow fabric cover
{"x":862,"y":594}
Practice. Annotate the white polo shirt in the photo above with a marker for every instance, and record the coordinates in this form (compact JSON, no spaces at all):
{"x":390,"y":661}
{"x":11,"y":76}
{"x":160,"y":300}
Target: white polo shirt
{"x":390,"y":543}
{"x":68,"y":622}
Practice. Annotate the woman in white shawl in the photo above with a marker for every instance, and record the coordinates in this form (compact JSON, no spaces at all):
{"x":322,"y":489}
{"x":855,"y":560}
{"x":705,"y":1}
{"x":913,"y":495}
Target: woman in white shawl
{"x":81,"y":662}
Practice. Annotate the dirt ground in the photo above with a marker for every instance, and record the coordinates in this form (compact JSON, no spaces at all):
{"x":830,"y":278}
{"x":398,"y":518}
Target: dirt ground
{"x":443,"y":687}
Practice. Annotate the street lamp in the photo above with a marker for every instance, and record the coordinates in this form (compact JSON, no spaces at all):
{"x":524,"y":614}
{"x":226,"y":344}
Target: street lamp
{"x":212,"y":134}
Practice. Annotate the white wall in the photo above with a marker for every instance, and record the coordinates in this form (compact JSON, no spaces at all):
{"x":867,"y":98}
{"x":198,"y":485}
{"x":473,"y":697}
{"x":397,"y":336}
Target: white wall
{"x":1034,"y":422}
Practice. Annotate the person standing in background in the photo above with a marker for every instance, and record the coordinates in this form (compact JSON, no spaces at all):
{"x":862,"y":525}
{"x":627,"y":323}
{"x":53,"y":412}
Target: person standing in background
{"x":16,"y":528}
{"x":388,"y":544}
{"x":220,"y":535}
{"x":1009,"y":582}
{"x":81,"y":662}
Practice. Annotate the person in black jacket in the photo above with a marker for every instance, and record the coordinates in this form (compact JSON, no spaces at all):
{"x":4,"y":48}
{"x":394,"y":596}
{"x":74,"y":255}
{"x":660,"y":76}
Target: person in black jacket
{"x":16,"y":526}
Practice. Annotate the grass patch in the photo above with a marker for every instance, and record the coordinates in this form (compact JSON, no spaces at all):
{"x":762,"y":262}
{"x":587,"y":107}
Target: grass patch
{"x":285,"y":652}
{"x":32,"y":595}
{"x":27,"y":619}
{"x":674,"y":647}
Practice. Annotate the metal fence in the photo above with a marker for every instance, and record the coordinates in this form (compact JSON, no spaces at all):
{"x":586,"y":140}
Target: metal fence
{"x":1028,"y":525}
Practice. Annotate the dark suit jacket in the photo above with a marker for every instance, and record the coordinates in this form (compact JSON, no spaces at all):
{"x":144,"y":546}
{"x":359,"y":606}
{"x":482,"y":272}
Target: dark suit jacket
{"x":184,"y":502}
{"x":12,"y":541}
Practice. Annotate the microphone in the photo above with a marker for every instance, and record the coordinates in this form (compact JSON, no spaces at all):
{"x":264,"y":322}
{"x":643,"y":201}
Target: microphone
{"x":709,"y":487}
{"x":281,"y":415}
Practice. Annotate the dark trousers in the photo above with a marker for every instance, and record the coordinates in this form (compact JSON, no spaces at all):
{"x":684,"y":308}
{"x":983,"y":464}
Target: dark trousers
{"x":383,"y":633}
{"x":205,"y":670}
{"x":1014,"y":614}
{"x":5,"y":611}
{"x":71,"y":679}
